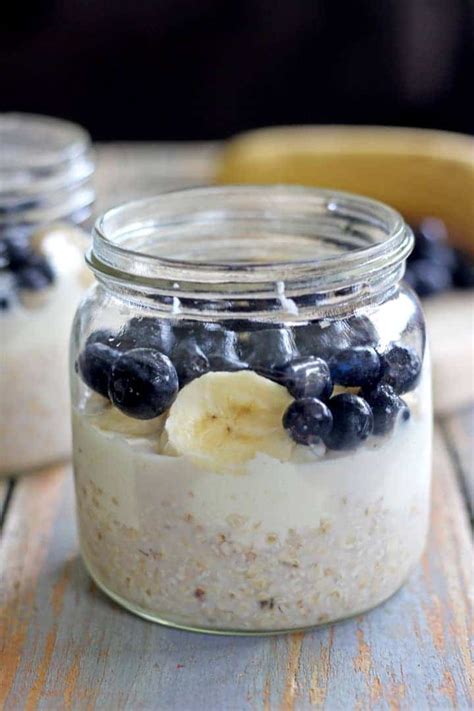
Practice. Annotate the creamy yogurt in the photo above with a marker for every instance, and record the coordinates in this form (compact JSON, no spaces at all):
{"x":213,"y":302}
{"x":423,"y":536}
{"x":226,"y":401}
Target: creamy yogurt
{"x":281,"y":546}
{"x":34,"y":335}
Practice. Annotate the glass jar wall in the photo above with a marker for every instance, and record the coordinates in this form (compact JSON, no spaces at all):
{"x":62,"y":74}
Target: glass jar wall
{"x":251,"y":408}
{"x":46,"y":194}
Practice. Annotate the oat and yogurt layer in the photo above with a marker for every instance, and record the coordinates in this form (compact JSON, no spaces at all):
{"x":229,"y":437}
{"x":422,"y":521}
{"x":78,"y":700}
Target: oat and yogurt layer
{"x":246,"y":499}
{"x":42,"y":279}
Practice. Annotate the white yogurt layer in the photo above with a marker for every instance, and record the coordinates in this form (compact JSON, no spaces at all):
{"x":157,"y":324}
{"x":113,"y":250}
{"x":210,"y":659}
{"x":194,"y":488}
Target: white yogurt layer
{"x":34,"y":383}
{"x":276,"y":494}
{"x":284,"y":545}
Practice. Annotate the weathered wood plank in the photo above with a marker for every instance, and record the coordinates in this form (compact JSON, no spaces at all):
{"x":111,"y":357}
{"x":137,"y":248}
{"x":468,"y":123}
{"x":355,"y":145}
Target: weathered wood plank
{"x":127,"y":171}
{"x":453,"y":358}
{"x":458,"y":429}
{"x":5,"y":486}
{"x":67,"y":647}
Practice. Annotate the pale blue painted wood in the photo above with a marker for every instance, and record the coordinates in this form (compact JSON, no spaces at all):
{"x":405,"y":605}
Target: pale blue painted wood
{"x":82,"y":651}
{"x":458,"y":428}
{"x":4,"y":490}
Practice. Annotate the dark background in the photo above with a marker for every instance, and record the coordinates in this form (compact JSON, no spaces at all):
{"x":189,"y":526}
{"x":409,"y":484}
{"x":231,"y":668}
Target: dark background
{"x":200,"y":69}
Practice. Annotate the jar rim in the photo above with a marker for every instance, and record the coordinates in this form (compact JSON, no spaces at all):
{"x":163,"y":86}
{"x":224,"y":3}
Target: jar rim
{"x":114,"y":255}
{"x":46,"y":169}
{"x":61,"y":140}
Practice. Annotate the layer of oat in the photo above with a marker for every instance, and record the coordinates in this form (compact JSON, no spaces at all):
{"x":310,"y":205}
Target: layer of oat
{"x":199,"y":573}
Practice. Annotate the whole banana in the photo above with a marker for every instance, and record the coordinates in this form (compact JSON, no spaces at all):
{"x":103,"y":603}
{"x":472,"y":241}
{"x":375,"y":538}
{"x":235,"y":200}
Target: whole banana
{"x":418,"y":172}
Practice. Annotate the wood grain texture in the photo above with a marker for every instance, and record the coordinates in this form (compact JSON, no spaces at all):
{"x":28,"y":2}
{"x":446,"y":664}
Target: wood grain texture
{"x":458,"y":429}
{"x":127,"y":171}
{"x":67,"y":647}
{"x":452,"y":358}
{"x":5,"y":485}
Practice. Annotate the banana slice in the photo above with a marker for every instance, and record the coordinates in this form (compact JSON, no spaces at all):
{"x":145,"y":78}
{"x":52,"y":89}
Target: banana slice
{"x":222,"y":420}
{"x":112,"y":420}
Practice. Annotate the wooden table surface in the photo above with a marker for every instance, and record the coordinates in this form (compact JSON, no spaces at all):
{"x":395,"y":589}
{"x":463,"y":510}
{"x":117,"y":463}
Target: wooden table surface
{"x":65,"y":646}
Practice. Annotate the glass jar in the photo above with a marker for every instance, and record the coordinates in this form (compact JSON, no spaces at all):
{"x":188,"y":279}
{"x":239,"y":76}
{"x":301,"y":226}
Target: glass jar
{"x":46,"y":194}
{"x":251,"y":408}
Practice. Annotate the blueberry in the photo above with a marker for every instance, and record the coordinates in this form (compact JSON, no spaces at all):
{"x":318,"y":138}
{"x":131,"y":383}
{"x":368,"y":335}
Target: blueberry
{"x":18,"y":253}
{"x":352,"y":422}
{"x":307,"y":420}
{"x":361,"y":331}
{"x":31,"y":278}
{"x":223,"y":355}
{"x":355,"y":366}
{"x":36,"y":275}
{"x":162,"y":299}
{"x":15,"y":232}
{"x":463,"y":272}
{"x":325,"y":338}
{"x":214,"y":340}
{"x":268,"y":351}
{"x":435,"y":252}
{"x":228,"y":362}
{"x":387,"y":408}
{"x":189,"y":361}
{"x":111,"y":338}
{"x":428,"y":278}
{"x":308,"y":377}
{"x":105,"y":336}
{"x":401,"y":368}
{"x":242,"y":325}
{"x":143,"y":383}
{"x":7,"y":290}
{"x":4,"y":302}
{"x":217,"y":344}
{"x":147,"y":332}
{"x":431,"y":244}
{"x":95,"y":366}
{"x":307,"y":300}
{"x":3,"y":254}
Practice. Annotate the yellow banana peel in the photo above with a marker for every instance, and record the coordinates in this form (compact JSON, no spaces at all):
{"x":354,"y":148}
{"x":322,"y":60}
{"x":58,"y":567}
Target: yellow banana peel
{"x":418,"y":172}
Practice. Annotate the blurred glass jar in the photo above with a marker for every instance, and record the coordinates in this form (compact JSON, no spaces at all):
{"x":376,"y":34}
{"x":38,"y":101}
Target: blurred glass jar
{"x":46,"y":195}
{"x":251,"y":408}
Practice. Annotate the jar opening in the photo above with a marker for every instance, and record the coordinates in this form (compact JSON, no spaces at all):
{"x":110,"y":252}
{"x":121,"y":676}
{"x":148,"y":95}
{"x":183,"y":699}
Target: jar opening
{"x":246,"y":240}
